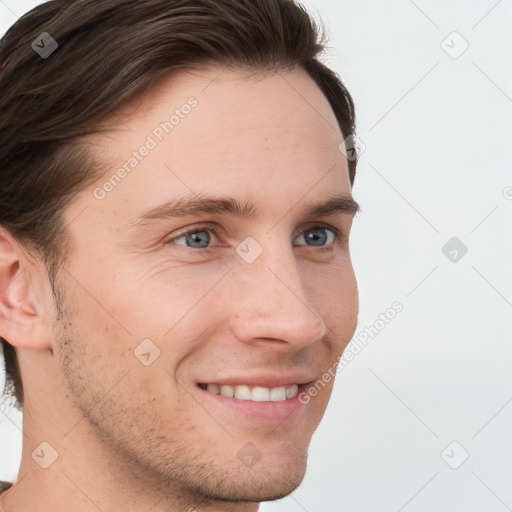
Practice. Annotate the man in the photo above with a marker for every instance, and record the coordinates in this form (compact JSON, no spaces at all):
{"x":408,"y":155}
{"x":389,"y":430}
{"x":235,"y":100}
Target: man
{"x":175,"y":276}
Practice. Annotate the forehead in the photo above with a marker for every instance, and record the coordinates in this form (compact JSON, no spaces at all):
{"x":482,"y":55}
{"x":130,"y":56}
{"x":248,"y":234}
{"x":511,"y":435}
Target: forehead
{"x":234,"y":92}
{"x":226,"y":132}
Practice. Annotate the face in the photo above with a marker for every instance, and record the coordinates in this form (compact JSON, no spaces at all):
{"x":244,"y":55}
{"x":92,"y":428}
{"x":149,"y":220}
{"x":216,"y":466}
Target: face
{"x":168,"y":312}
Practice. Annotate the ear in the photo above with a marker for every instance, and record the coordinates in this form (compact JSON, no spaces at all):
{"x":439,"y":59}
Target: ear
{"x":22,"y":322}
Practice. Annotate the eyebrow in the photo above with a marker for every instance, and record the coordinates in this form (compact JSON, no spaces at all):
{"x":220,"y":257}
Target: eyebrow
{"x":196,"y":204}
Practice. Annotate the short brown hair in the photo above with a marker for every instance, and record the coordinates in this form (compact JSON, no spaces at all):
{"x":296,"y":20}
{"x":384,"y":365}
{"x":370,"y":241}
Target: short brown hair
{"x":108,"y":51}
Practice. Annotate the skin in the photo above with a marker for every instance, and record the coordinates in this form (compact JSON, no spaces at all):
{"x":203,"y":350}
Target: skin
{"x":145,"y":438}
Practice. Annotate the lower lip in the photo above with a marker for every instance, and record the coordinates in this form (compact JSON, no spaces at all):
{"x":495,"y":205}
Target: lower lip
{"x":258,"y":412}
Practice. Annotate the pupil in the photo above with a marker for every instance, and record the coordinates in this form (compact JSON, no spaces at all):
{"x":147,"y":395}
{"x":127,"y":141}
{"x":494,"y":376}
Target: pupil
{"x":312,"y":236}
{"x":196,"y":238}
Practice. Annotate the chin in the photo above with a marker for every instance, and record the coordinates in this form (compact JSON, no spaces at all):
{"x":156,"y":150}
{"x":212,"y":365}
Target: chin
{"x":262,"y":482}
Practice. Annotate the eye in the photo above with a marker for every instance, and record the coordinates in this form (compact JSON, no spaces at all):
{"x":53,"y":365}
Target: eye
{"x":196,"y":238}
{"x":317,"y":238}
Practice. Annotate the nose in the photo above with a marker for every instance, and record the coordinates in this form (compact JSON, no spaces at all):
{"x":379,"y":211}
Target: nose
{"x":270,"y":305}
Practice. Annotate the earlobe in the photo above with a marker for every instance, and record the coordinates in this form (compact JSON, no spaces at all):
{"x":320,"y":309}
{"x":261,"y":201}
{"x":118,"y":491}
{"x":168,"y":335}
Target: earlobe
{"x":21,"y":323}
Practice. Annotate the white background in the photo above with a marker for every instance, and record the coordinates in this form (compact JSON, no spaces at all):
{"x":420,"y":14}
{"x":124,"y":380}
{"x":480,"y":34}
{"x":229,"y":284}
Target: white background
{"x":438,"y":157}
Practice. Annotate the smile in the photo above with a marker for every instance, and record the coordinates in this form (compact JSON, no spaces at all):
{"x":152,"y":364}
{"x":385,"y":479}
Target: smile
{"x":253,"y":393}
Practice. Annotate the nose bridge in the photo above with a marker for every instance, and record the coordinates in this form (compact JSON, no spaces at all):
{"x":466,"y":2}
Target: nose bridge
{"x":271,"y":302}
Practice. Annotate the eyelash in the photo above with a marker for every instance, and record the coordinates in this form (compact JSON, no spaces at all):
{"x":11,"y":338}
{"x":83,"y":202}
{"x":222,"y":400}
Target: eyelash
{"x":338,"y":235}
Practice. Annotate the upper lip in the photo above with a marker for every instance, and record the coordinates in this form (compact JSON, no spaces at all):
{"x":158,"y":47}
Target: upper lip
{"x":267,"y":380}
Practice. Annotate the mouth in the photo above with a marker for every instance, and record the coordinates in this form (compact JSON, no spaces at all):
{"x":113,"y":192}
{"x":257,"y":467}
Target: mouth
{"x":253,"y":401}
{"x":253,"y":393}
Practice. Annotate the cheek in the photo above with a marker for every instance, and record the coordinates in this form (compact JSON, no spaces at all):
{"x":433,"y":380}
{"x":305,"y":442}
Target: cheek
{"x":157,"y":302}
{"x":333,"y":294}
{"x":95,"y":350}
{"x":111,"y":386}
{"x":348,"y":307}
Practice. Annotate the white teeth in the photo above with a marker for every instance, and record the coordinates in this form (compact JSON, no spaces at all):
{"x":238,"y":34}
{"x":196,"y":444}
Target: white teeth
{"x":227,"y":390}
{"x":243,"y":392}
{"x":256,"y":393}
{"x":291,"y":391}
{"x":260,"y":394}
{"x":278,"y":394}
